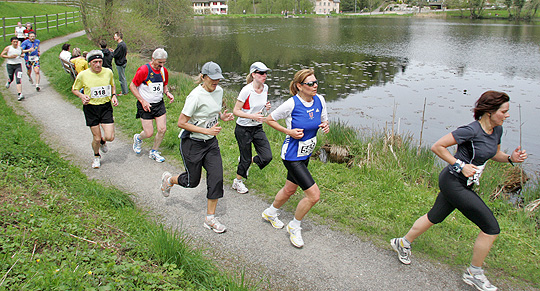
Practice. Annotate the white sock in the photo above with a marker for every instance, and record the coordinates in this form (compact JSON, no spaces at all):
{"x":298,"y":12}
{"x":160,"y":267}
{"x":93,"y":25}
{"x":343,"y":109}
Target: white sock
{"x":295,"y":223}
{"x":210,"y":216}
{"x":405,"y":242}
{"x":271,"y":210}
{"x":475,"y":270}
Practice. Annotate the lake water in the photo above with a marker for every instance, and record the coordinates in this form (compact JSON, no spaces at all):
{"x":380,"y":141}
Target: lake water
{"x":369,"y":67}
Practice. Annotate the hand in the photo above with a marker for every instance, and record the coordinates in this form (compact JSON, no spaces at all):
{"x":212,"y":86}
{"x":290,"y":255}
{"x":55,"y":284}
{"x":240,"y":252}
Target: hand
{"x":258,"y":117}
{"x":469,"y":170}
{"x":114,"y":100}
{"x":296,"y":133}
{"x":214,"y":130}
{"x":85,"y":99}
{"x":227,"y":116}
{"x":146,"y":106}
{"x":518,"y":155}
{"x":325,"y":127}
{"x":267,"y":106}
{"x":170,"y":96}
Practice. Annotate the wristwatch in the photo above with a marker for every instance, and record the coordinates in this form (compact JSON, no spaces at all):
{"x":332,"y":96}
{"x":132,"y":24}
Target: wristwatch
{"x":458,"y":166}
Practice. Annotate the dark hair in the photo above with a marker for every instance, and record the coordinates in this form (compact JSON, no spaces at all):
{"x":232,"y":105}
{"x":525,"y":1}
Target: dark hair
{"x":13,"y":38}
{"x":299,"y":77}
{"x":65,"y":47}
{"x":102,"y":43}
{"x":489,"y":102}
{"x":32,"y":32}
{"x":119,"y":34}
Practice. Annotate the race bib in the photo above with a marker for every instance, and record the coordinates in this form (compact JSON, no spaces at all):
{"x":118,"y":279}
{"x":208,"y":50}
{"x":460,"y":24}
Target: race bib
{"x":19,"y":74}
{"x":100,"y":92}
{"x":306,"y":147}
{"x":33,"y":58}
{"x":211,"y":122}
{"x":476,"y":177}
{"x":156,"y":88}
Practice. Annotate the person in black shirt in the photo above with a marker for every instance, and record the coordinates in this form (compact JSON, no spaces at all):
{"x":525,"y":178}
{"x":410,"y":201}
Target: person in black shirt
{"x":107,"y":55}
{"x":120,"y":60}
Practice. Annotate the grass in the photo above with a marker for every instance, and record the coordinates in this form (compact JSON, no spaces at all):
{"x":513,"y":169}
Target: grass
{"x":9,"y":10}
{"x":61,"y":230}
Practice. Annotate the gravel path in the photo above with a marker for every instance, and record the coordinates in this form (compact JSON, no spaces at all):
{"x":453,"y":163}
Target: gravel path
{"x":330,"y":260}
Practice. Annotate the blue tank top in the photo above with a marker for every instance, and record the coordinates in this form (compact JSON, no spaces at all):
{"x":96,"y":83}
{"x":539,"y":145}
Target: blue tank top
{"x":309,"y":119}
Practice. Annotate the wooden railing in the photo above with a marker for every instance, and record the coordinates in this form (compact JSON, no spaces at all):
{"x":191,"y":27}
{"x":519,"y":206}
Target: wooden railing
{"x":40,"y":22}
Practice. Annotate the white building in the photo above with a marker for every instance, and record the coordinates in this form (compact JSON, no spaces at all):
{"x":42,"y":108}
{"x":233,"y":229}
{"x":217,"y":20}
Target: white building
{"x":210,"y":7}
{"x":326,"y":6}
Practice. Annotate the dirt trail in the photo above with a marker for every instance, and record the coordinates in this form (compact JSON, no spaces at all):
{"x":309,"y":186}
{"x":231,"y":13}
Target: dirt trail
{"x":330,"y":260}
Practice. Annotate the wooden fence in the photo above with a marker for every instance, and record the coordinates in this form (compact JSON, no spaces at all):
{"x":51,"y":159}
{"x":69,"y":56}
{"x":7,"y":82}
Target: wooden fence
{"x":40,"y":22}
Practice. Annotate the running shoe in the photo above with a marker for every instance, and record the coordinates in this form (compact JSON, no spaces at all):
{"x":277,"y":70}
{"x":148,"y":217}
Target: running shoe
{"x":295,"y":235}
{"x":96,"y":163}
{"x":137,"y":142}
{"x":20,"y":97}
{"x":104,"y":148}
{"x":273,"y":219}
{"x":403,"y":252}
{"x":38,"y":88}
{"x":166,"y":184}
{"x":478,"y":280}
{"x":156,"y":156}
{"x":214,"y":225}
{"x":8,"y":84}
{"x":239,"y":186}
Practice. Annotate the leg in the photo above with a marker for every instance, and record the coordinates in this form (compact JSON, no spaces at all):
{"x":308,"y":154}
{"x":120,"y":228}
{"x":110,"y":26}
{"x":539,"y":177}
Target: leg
{"x":284,"y":194}
{"x":243,"y":138}
{"x":262,"y":147}
{"x":108,"y":131}
{"x":482,"y":246}
{"x":36,"y":70}
{"x":96,"y":139}
{"x":313,"y":195}
{"x":211,"y":206}
{"x":192,"y":155}
{"x":161,"y":125}
{"x":420,"y":226}
{"x":213,"y":165}
{"x":148,"y":128}
{"x":122,"y":78}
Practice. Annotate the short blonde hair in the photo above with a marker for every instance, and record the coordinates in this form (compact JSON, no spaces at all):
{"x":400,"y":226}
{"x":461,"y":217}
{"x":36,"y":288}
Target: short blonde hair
{"x":299,"y":77}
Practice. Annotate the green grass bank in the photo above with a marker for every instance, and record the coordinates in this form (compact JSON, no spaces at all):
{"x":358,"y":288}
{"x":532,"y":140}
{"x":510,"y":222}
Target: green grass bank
{"x":385,"y":190}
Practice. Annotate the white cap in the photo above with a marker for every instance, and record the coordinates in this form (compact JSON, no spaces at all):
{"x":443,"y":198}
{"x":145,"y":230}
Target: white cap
{"x":258,"y":66}
{"x":212,"y":70}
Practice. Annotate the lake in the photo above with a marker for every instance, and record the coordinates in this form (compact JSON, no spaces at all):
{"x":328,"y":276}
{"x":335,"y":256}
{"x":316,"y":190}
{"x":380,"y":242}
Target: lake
{"x":370,"y":67}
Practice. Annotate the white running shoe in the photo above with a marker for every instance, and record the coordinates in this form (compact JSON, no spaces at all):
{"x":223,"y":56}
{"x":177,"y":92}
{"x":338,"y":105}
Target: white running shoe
{"x":96,"y":163}
{"x":478,"y":280}
{"x":214,"y":225}
{"x":239,"y":186}
{"x":20,"y":97}
{"x":273,"y":219}
{"x":104,"y":148}
{"x":166,"y":184}
{"x":295,"y":235}
{"x":137,"y":142}
{"x":8,"y":84}
{"x":156,"y":156}
{"x":404,"y":253}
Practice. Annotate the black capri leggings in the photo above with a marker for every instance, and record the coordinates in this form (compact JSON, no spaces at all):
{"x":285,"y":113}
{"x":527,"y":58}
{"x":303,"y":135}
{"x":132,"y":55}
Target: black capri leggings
{"x":455,"y":194}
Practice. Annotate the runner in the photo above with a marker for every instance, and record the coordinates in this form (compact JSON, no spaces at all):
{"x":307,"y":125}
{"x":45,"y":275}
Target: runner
{"x":476,"y":142}
{"x":31,"y":57}
{"x":13,"y":55}
{"x":148,"y":86}
{"x":27,"y":30}
{"x":198,"y":143}
{"x":304,"y":114}
{"x":99,"y":93}
{"x":251,"y":102}
{"x":19,"y":32}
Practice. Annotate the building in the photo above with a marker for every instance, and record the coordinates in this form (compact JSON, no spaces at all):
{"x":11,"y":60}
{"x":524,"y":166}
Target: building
{"x":209,"y":6}
{"x":326,"y":6}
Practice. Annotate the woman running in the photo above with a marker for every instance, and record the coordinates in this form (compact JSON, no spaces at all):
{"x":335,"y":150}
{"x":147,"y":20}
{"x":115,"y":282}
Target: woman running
{"x":251,"y":102}
{"x":304,"y":114}
{"x":199,"y":146}
{"x":476,"y":142}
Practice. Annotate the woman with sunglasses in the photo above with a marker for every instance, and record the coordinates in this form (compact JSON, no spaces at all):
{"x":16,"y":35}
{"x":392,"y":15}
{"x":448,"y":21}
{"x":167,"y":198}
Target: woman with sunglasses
{"x":198,"y":146}
{"x":304,"y":114}
{"x":476,"y":142}
{"x":251,"y":102}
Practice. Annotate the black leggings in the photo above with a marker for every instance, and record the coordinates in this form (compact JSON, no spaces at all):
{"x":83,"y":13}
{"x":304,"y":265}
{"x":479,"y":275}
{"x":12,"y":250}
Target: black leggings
{"x":298,"y":173}
{"x":245,"y":136}
{"x":14,"y":72}
{"x":455,"y":194}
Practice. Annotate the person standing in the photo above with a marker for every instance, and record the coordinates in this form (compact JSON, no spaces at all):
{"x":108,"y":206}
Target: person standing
{"x":19,"y":32}
{"x":98,"y":94}
{"x":199,"y":146}
{"x":13,"y":54}
{"x":31,"y":57}
{"x":149,"y":85}
{"x":304,"y":113}
{"x":107,"y":55}
{"x":251,"y":102}
{"x":477,"y":142}
{"x":120,"y":61}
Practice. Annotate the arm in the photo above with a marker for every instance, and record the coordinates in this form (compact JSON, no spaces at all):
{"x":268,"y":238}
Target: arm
{"x":167,"y":93}
{"x":440,"y":148}
{"x":4,"y":53}
{"x":145,"y":105}
{"x":517,"y":156}
{"x":226,"y":116}
{"x":84,"y":98}
{"x":183,"y":123}
{"x":295,"y":133}
{"x":114,"y":100}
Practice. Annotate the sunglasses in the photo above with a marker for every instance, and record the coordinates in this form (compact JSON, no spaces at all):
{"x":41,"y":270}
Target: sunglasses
{"x":311,"y":84}
{"x":260,"y":73}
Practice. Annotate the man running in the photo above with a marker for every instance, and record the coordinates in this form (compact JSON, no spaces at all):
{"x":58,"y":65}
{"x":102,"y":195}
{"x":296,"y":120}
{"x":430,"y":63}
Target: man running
{"x":148,"y":86}
{"x":31,"y":57}
{"x":99,"y":93}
